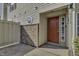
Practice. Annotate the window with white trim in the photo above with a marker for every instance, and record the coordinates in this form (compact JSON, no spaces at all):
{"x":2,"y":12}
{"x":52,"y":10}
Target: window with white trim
{"x":77,"y":24}
{"x":12,"y":6}
{"x":62,"y":28}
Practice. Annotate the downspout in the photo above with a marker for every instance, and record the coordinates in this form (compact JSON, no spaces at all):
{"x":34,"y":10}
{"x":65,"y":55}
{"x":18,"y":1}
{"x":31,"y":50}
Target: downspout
{"x":73,"y":35}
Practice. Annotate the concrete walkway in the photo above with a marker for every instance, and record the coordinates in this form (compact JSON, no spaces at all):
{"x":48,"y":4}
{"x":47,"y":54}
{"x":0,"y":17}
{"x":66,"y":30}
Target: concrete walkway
{"x":26,"y":50}
{"x":51,"y":51}
{"x":16,"y":50}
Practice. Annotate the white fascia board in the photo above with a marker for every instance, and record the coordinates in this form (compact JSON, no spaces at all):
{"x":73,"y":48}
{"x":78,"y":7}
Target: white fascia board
{"x":52,"y":7}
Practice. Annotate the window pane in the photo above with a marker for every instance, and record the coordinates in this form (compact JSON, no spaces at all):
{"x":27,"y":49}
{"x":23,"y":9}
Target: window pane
{"x":62,"y":19}
{"x":77,"y":19}
{"x":77,"y":29}
{"x":62,"y":23}
{"x":12,"y":7}
{"x":62,"y":28}
{"x":62,"y":37}
{"x":78,"y":33}
{"x":77,"y":22}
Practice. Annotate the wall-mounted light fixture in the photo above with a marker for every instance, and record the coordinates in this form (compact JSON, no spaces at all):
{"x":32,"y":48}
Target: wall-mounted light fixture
{"x":29,"y":19}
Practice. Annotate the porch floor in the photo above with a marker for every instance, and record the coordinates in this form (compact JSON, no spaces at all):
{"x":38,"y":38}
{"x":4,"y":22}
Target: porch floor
{"x":48,"y":50}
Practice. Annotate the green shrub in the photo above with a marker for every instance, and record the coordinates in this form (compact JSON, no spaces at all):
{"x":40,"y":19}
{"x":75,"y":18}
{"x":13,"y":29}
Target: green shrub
{"x":76,"y":42}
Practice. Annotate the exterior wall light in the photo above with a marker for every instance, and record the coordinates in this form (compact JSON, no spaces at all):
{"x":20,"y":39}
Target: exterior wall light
{"x":29,"y":19}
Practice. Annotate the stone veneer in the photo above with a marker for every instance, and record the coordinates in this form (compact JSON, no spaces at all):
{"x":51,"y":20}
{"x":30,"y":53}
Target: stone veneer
{"x":29,"y":34}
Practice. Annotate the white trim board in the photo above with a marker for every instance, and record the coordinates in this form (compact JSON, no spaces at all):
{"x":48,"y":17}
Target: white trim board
{"x":9,"y":45}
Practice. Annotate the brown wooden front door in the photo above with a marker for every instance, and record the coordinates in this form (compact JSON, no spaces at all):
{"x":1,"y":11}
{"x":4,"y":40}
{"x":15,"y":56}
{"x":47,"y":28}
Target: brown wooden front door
{"x":53,"y":29}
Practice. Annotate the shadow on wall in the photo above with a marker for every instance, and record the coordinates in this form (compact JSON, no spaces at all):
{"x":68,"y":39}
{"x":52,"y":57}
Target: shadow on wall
{"x":25,"y":37}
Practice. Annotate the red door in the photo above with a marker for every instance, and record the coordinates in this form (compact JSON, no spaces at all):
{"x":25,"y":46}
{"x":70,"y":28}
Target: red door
{"x":53,"y":30}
